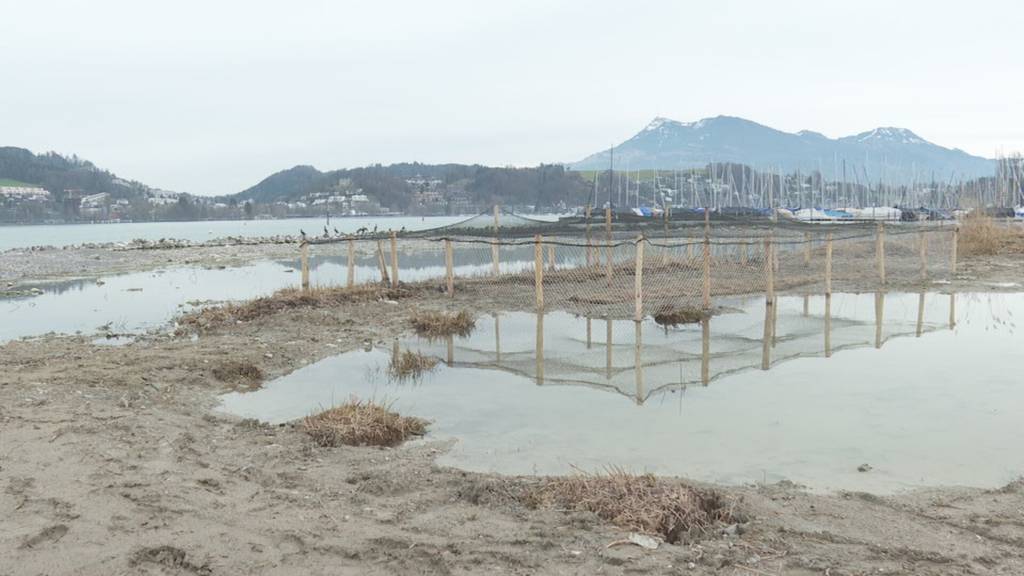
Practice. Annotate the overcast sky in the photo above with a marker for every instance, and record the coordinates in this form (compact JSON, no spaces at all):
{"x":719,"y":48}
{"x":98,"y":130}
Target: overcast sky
{"x":211,"y":97}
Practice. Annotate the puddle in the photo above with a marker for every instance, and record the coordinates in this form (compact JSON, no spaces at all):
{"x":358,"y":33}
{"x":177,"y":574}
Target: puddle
{"x":923,"y":388}
{"x":133,"y":303}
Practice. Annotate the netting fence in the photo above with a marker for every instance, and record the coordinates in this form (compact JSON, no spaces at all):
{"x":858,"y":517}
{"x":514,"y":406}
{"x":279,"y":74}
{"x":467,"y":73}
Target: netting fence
{"x":624,"y":269}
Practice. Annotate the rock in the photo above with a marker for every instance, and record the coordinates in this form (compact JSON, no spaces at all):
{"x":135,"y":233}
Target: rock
{"x":643,"y":540}
{"x":864,"y":468}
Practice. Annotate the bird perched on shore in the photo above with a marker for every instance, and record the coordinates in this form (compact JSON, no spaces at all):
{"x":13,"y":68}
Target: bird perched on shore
{"x":336,"y":232}
{"x":361,"y":231}
{"x":302,"y":232}
{"x":327,"y":233}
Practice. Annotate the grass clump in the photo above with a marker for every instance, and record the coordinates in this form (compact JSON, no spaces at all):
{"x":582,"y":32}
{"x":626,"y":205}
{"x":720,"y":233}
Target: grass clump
{"x":639,"y":503}
{"x":362,"y":423}
{"x":283,"y":300}
{"x":980,"y":235}
{"x":410,"y":365}
{"x":436,"y":324}
{"x":672,"y":316}
{"x":234,"y":371}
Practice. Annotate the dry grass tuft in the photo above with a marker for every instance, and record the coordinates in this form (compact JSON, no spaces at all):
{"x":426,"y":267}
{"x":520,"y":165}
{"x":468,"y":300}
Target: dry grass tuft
{"x":410,"y":365}
{"x":282,"y":300}
{"x":234,"y":371}
{"x":672,"y":316}
{"x":435,"y":324}
{"x":980,"y":235}
{"x":640,"y":503}
{"x":362,"y":423}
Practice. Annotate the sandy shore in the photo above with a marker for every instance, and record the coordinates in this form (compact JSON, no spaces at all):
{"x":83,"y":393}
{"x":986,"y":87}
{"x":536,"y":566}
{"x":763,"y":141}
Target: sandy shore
{"x":113,"y":462}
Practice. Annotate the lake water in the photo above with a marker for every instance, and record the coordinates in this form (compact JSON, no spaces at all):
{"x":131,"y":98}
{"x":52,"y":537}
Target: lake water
{"x":72,"y":234}
{"x":923,"y":388}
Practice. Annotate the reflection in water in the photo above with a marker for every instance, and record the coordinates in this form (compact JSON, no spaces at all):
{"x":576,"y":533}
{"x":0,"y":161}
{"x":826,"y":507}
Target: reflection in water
{"x":879,"y":312}
{"x":497,"y":338}
{"x":585,"y":415}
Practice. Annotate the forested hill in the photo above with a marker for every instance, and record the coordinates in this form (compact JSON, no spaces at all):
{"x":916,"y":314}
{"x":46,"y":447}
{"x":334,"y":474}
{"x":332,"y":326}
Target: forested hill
{"x":399,"y":187}
{"x":57,"y":173}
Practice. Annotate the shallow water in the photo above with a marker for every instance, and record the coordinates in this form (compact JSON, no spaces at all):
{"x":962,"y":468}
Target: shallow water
{"x":923,"y":401}
{"x":141,"y":301}
{"x":20,"y":236}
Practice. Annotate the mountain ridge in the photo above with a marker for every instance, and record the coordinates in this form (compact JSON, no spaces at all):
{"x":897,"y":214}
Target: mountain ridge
{"x":891,"y":153}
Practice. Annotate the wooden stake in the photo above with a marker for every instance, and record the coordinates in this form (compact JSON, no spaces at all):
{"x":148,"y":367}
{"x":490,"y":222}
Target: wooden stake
{"x":380,"y":263}
{"x":638,"y":287}
{"x":920,"y":313}
{"x":743,"y":252}
{"x":707,"y":273}
{"x":449,"y":265}
{"x":551,"y":257}
{"x":828,"y":265}
{"x":880,"y":251}
{"x":922,"y":239}
{"x":494,"y":245}
{"x":351,"y":280}
{"x":538,"y":270}
{"x":956,"y":244}
{"x":394,"y":261}
{"x":304,"y":257}
{"x":807,"y":248}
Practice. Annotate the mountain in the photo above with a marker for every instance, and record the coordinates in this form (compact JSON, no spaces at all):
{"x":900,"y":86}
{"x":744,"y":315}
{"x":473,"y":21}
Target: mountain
{"x":57,"y":173}
{"x":895,"y":155}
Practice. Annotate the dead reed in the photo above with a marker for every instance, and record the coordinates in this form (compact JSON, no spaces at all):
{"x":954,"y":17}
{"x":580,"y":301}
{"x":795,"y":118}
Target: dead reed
{"x":673,"y":316}
{"x":362,"y":423}
{"x":640,"y":503}
{"x":980,"y":235}
{"x":437,"y":324}
{"x":409,"y":365}
{"x":287,"y":299}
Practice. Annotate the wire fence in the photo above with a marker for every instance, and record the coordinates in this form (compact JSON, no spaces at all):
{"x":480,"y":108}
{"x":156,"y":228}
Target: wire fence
{"x":629,"y":270}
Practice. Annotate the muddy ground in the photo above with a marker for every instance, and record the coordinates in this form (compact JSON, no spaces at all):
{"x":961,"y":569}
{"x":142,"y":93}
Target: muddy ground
{"x":112,"y":461}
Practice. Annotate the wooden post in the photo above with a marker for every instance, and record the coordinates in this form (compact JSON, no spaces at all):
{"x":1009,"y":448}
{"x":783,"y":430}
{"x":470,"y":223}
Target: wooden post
{"x":551,"y":257}
{"x":538,"y":270}
{"x":351,"y":280}
{"x":952,"y":259}
{"x":381,"y":265}
{"x":880,"y":251}
{"x":923,"y":241}
{"x":494,"y":245}
{"x":743,"y":252}
{"x":394,"y":261}
{"x":449,"y":265}
{"x":638,"y":287}
{"x":707,"y":273}
{"x":608,"y":241}
{"x":828,"y":265}
{"x":807,"y":248}
{"x":304,"y":257}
